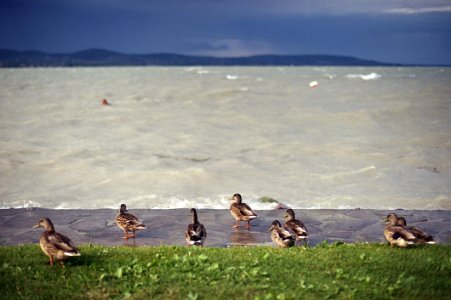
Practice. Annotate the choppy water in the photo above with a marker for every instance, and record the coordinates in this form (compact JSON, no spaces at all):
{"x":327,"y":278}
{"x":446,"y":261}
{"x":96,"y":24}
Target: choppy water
{"x":191,"y":137}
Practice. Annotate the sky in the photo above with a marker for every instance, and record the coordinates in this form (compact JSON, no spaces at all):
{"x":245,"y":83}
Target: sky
{"x":393,"y":31}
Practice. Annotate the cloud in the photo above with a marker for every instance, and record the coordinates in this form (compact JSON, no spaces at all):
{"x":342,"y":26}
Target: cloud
{"x":420,"y":10}
{"x":346,"y":7}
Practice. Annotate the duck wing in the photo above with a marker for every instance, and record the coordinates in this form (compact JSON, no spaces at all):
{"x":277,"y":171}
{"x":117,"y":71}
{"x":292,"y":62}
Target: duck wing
{"x":297,"y":227}
{"x":282,"y":237}
{"x":285,"y":234}
{"x":420,"y":234}
{"x":130,"y":221}
{"x":196,"y":233}
{"x":400,"y":232}
{"x":276,"y":235}
{"x":246,"y":210}
{"x":62,"y":243}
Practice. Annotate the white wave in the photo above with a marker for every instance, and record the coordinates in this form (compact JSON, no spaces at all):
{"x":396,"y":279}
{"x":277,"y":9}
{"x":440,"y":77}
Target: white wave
{"x":20,"y":204}
{"x":355,"y":175}
{"x":232,"y":77}
{"x":370,"y":76}
{"x":328,"y":202}
{"x":155,"y":202}
{"x":198,"y":70}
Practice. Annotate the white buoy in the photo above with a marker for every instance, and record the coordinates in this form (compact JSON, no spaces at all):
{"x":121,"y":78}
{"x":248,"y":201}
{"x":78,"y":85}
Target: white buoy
{"x":314,"y":84}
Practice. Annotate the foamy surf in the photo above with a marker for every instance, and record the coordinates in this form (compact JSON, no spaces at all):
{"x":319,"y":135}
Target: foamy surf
{"x":155,"y":202}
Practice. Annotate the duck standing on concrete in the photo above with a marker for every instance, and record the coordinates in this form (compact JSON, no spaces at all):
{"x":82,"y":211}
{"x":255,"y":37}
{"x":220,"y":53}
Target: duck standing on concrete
{"x":196,"y":232}
{"x":128,"y":222}
{"x":296,"y":226}
{"x":54,"y":244}
{"x":280,"y":236}
{"x":241,"y":211}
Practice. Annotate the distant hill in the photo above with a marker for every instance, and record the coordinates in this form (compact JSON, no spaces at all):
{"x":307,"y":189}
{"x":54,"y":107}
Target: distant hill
{"x":100,"y":57}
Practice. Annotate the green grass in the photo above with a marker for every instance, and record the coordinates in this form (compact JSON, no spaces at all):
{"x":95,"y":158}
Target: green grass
{"x":334,"y":271}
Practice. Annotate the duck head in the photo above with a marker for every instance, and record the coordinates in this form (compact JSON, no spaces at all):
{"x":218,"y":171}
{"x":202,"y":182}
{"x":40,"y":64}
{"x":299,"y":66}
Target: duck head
{"x":401,"y":222}
{"x":123,"y":208}
{"x":392,"y":219}
{"x":275,"y":225}
{"x":46,"y":223}
{"x":236,"y":198}
{"x":289,"y":215}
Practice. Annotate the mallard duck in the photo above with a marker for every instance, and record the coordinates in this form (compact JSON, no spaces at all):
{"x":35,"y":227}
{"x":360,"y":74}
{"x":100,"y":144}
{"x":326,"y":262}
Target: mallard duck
{"x":195,"y":233}
{"x":280,"y":236}
{"x":295,"y":225}
{"x":128,"y":222}
{"x":397,"y":235}
{"x":421,"y":236}
{"x":54,"y":244}
{"x":241,"y":211}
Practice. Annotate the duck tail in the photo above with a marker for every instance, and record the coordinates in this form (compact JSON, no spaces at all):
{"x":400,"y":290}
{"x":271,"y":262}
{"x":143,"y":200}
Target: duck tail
{"x":72,"y":253}
{"x":195,"y":242}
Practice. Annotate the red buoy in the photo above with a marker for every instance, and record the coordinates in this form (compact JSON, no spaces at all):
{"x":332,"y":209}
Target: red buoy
{"x":105,"y":102}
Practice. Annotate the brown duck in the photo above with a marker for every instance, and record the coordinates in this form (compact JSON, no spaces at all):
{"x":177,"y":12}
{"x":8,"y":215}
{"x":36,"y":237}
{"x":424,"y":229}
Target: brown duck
{"x":280,"y":236}
{"x":397,"y":235}
{"x":421,"y":236}
{"x":241,"y":211}
{"x":54,"y":244}
{"x":295,"y":225}
{"x":195,"y":233}
{"x":128,"y":222}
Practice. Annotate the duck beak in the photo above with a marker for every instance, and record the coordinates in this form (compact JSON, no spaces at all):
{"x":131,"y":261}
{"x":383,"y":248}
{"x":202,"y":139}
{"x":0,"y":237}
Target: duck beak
{"x":37,"y":225}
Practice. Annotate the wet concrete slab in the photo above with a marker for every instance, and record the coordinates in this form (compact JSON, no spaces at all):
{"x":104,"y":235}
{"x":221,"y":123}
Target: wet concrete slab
{"x":167,"y":227}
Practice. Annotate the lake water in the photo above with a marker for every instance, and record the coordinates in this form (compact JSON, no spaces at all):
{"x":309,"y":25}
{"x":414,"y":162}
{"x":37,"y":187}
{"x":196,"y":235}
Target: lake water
{"x":183,"y":137}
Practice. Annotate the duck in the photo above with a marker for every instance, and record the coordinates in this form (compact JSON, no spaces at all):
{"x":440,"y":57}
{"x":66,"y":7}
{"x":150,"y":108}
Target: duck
{"x":397,"y":235}
{"x":421,"y":236}
{"x":195,"y":233}
{"x":295,"y":225}
{"x":241,"y":211}
{"x":128,"y":222}
{"x":281,"y":236}
{"x":54,"y":244}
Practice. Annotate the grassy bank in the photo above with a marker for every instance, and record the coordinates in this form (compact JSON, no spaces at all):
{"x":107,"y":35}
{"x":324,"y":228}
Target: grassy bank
{"x":327,"y":271}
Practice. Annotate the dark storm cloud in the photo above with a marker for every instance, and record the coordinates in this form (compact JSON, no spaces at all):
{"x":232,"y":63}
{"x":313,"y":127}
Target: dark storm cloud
{"x":390,"y":31}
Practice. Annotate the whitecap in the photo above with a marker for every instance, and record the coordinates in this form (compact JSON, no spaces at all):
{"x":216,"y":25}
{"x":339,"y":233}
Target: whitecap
{"x":232,"y":77}
{"x":370,"y":76}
